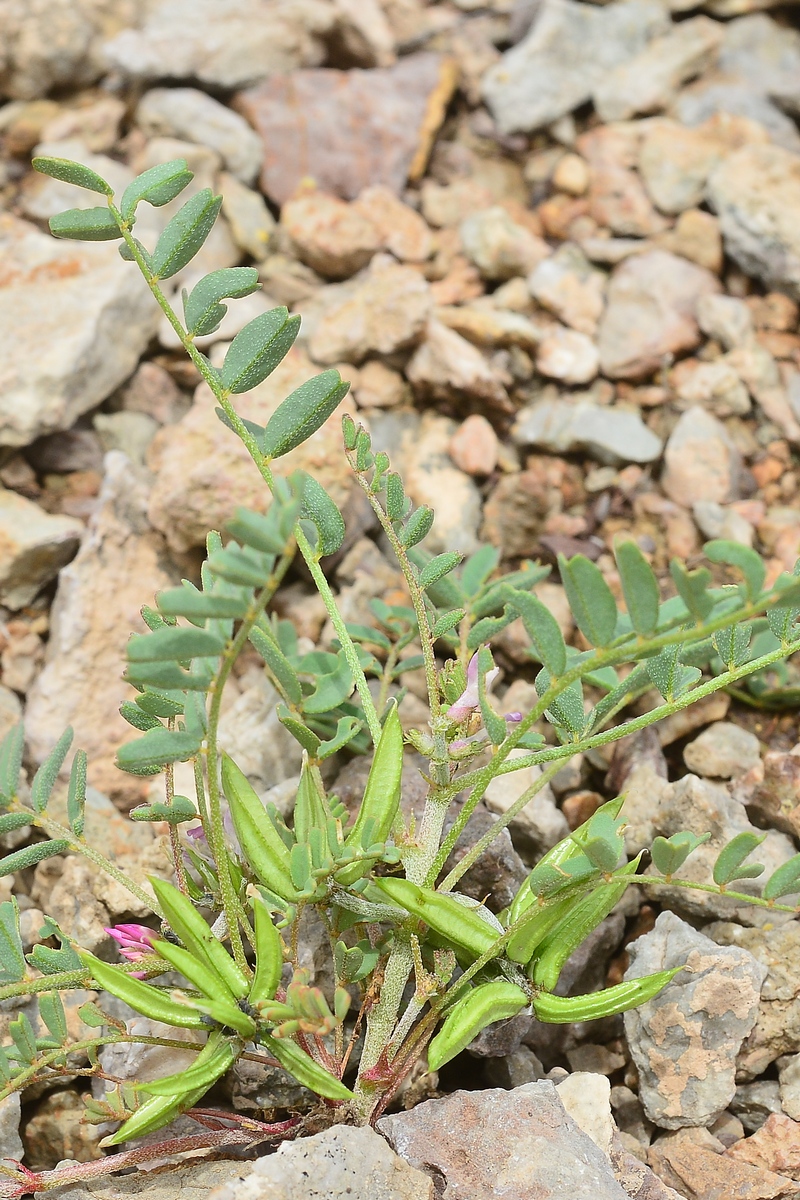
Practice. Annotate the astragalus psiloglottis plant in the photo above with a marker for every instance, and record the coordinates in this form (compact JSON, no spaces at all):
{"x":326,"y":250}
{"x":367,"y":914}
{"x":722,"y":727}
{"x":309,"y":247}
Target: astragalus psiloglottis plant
{"x":418,"y":966}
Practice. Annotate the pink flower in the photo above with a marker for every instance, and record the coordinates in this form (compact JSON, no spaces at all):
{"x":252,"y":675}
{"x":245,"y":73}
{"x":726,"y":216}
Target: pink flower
{"x":468,"y":702}
{"x":135,"y":941}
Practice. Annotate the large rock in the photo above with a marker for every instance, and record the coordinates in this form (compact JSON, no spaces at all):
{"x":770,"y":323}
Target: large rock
{"x":701,"y":460}
{"x":495,"y":1143}
{"x":34,"y":546}
{"x":349,"y":129}
{"x":192,"y":115}
{"x":119,"y":567}
{"x":612,"y":435}
{"x":49,"y":44}
{"x":386,"y":312}
{"x":685,"y":1040}
{"x":224,"y":43}
{"x":756,"y":194}
{"x":74,"y":321}
{"x":565,"y":55}
{"x":203,"y":471}
{"x":650,"y":312}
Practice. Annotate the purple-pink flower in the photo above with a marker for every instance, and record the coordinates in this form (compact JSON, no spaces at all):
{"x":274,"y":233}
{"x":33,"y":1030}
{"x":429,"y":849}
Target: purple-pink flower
{"x":468,"y":702}
{"x":135,"y":941}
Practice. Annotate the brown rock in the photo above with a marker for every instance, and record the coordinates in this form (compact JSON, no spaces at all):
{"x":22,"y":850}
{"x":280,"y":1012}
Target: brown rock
{"x":650,"y":313}
{"x":696,"y":236}
{"x":490,"y":326}
{"x":57,"y":1131}
{"x":446,"y":363}
{"x":692,"y":1161}
{"x":514,"y":513}
{"x":571,"y":175}
{"x":473,"y":448}
{"x":380,"y":387}
{"x":204,"y":472}
{"x":387,"y":311}
{"x":349,"y":129}
{"x":119,"y":567}
{"x":499,"y":247}
{"x":617,"y":197}
{"x":151,"y":390}
{"x":403,"y":231}
{"x":328,"y":235}
{"x":702,"y":462}
{"x":774,"y":1147}
{"x":675,"y":160}
{"x":570,"y":287}
{"x":776,"y":798}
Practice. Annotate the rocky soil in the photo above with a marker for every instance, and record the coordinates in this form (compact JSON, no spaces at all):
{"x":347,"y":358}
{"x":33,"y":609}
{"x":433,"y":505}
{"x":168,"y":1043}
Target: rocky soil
{"x":555,"y":247}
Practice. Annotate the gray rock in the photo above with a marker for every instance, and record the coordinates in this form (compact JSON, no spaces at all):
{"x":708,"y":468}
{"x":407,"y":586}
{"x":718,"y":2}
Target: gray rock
{"x":500,"y":248}
{"x":727,"y":319}
{"x":777,"y":1029}
{"x":701,"y":461}
{"x":722,"y":93}
{"x":34,"y":546}
{"x":130,"y":432}
{"x":10,"y":1141}
{"x":338,"y":1164}
{"x":789,"y":1081}
{"x":564,"y":56}
{"x":225,"y":43}
{"x":100,"y":317}
{"x":754,"y":1102}
{"x":650,"y":312}
{"x":722,"y":751}
{"x":715,"y":521}
{"x":684,"y":1041}
{"x":498,"y":1144}
{"x":756,"y":195}
{"x":257,"y":1088}
{"x":611,"y":435}
{"x":194,"y":1179}
{"x":513,"y":1070}
{"x":766,"y":54}
{"x":195,"y":117}
{"x":647,"y":82}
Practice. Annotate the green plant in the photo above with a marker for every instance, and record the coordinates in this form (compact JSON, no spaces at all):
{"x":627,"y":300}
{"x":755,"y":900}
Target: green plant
{"x":376,"y":880}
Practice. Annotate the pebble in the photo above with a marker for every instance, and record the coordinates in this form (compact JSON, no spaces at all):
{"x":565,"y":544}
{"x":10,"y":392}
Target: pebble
{"x":712,"y":385}
{"x":694,"y":1161}
{"x":251,"y":223}
{"x":675,"y":160}
{"x":727,"y":319}
{"x":684,"y":1041}
{"x":789,"y":1079}
{"x":568,"y":285}
{"x":715,"y":521}
{"x":569,"y":48}
{"x":380,"y":387}
{"x":404,"y":233}
{"x":571,"y":175}
{"x":774,"y":1147}
{"x":775,"y":798}
{"x":192,"y":115}
{"x":753,"y":1103}
{"x":349,"y":130}
{"x":567,"y":355}
{"x":130,"y":432}
{"x":500,"y":1143}
{"x":474,"y":446}
{"x":34,"y":546}
{"x":701,"y":461}
{"x":586,"y":1096}
{"x":649,"y":314}
{"x":490,"y":326}
{"x":722,"y":751}
{"x":447,"y":365}
{"x":499,"y":247}
{"x":617,"y":196}
{"x":330,"y":236}
{"x":612,"y":435}
{"x":150,"y":390}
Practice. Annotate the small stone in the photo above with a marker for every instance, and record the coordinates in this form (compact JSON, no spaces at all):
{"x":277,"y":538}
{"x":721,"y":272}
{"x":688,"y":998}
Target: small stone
{"x":338,"y":1164}
{"x":726,"y":319}
{"x":499,"y":247}
{"x":569,"y":48}
{"x":775,"y":1147}
{"x":330,"y":236}
{"x":713,"y":385}
{"x":403,"y":231}
{"x":789,"y":1078}
{"x":756,"y":195}
{"x":715,"y":521}
{"x":596,"y":1060}
{"x":650,"y":310}
{"x":617,"y":197}
{"x":496,"y":1143}
{"x":701,"y":461}
{"x":130,"y":432}
{"x":696,"y":236}
{"x":513,"y":1070}
{"x":722,"y":751}
{"x":251,"y":223}
{"x":609,"y":434}
{"x":446,"y":364}
{"x":727,"y":1129}
{"x":387,"y":311}
{"x":490,"y":326}
{"x":95,"y":124}
{"x":776,"y":797}
{"x":100,"y":318}
{"x":580,"y":806}
{"x":586,"y":1095}
{"x":34,"y":546}
{"x":498,"y":874}
{"x":754,"y":1102}
{"x":194,"y":116}
{"x":571,"y":175}
{"x":349,"y":130}
{"x":570,"y":287}
{"x":151,"y":390}
{"x":684,"y":1041}
{"x":648,"y":82}
{"x":540,"y":824}
{"x":380,"y":387}
{"x":567,"y":355}
{"x":693,"y":1160}
{"x":57,"y":1131}
{"x":46,"y":48}
{"x":474,"y":445}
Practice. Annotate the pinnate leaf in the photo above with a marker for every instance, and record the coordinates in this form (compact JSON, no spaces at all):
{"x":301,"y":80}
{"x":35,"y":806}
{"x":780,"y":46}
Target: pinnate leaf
{"x":85,"y":225}
{"x":155,"y":749}
{"x":185,"y":234}
{"x":157,"y":186}
{"x":72,"y":172}
{"x":303,"y":412}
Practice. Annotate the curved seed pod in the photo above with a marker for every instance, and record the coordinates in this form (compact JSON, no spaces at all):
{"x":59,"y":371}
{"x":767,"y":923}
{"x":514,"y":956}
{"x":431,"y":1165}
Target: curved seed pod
{"x":154,"y":1114}
{"x":382,"y":793}
{"x":143,"y":997}
{"x":227,"y":1014}
{"x":460,"y":925}
{"x":541,"y":920}
{"x":218,"y":1054}
{"x":269,"y":954}
{"x":198,"y":973}
{"x":560,"y":1010}
{"x":585,"y":915}
{"x":305,"y":1069}
{"x":262,"y":845}
{"x":198,"y":938}
{"x":485,"y":1004}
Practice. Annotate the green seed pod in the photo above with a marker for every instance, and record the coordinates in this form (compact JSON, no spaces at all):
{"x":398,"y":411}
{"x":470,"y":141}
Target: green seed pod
{"x":218,"y":1054}
{"x":143,"y":997}
{"x":227,"y":1014}
{"x":262,"y":845}
{"x":458,"y":924}
{"x":540,"y":922}
{"x":561,"y":1010}
{"x":154,"y":1114}
{"x":269,"y":954}
{"x":584,"y":915}
{"x":198,"y":938}
{"x":485,"y":1004}
{"x":305,"y":1069}
{"x":381,"y":798}
{"x":198,"y":973}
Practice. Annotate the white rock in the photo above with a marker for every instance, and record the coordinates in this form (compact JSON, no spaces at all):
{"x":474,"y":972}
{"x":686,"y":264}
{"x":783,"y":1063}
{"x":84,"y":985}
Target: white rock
{"x":567,"y":355}
{"x":193,"y":116}
{"x":34,"y":545}
{"x":587,"y":1098}
{"x":613,"y":435}
{"x":727,"y":319}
